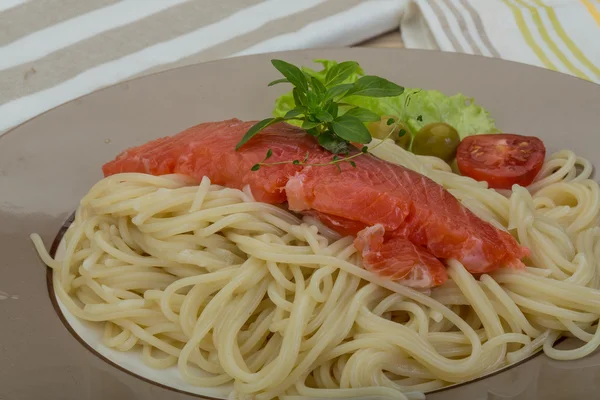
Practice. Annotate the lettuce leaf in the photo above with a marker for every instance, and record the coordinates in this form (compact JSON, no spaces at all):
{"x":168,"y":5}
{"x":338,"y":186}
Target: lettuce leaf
{"x":416,"y":107}
{"x":419,"y":107}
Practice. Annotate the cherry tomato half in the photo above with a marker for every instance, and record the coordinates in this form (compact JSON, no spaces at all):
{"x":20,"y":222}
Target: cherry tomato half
{"x":501,"y":160}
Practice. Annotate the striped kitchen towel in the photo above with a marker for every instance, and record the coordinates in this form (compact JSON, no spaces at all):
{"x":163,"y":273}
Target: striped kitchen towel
{"x":53,"y":51}
{"x":563,"y":35}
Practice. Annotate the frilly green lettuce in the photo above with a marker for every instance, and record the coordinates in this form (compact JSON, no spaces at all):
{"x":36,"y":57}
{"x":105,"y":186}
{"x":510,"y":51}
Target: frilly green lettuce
{"x":416,"y":107}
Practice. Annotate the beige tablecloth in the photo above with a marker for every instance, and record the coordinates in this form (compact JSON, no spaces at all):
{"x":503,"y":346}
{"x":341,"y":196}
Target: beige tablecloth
{"x":52,"y":51}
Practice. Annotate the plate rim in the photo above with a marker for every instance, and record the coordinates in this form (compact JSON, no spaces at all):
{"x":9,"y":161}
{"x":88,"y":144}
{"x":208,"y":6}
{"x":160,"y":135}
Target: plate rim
{"x":357,"y":48}
{"x":264,"y":56}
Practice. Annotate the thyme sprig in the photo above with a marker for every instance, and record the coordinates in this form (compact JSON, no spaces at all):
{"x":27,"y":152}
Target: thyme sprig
{"x":335,"y":160}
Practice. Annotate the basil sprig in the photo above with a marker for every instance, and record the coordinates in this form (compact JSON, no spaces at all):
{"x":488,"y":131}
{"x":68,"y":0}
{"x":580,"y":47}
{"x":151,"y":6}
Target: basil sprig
{"x":318,"y":105}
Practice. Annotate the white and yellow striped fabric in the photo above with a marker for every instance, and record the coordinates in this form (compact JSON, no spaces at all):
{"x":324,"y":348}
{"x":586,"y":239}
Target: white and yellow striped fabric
{"x":53,"y":51}
{"x":562,"y":35}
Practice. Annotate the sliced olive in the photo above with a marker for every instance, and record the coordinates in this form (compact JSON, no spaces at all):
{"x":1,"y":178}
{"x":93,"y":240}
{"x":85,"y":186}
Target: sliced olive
{"x":403,"y":137}
{"x":381,"y":129}
{"x":437,"y":139}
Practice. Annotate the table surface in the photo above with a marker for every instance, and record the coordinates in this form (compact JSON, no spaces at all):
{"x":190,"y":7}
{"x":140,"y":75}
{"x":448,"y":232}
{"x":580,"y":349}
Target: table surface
{"x":390,"y":39}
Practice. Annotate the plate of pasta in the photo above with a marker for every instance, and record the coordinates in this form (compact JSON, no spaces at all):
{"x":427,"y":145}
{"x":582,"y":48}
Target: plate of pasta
{"x":348,"y":223}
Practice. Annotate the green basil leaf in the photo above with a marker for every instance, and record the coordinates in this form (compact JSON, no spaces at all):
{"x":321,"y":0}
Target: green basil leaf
{"x":332,"y":109}
{"x":306,"y":125}
{"x":312,"y":131}
{"x":312,"y":100}
{"x":374,"y":86}
{"x":340,"y":72}
{"x":292,"y":73}
{"x":338,"y":90}
{"x":363,"y":114}
{"x":275,"y":82}
{"x":257,"y":128}
{"x":299,"y":97}
{"x":333,"y":143}
{"x":293,"y":113}
{"x":351,"y":129}
{"x":317,"y":86}
{"x":324,"y":116}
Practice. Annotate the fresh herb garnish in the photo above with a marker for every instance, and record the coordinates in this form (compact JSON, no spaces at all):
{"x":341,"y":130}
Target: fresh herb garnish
{"x":318,"y":105}
{"x":335,"y":160}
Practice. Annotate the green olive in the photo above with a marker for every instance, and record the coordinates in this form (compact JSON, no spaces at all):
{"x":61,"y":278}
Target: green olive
{"x":380,"y":130}
{"x":436,"y":139}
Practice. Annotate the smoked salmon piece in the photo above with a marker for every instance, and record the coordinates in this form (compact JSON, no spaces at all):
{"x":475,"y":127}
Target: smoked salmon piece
{"x":399,"y":259}
{"x":404,"y":222}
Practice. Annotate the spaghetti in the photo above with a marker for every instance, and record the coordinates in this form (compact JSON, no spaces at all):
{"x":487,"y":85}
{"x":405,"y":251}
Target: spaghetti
{"x":204,"y":278}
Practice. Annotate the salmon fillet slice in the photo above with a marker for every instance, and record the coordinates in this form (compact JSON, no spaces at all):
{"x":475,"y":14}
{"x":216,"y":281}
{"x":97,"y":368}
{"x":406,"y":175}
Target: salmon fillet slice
{"x":408,"y":205}
{"x":404,"y":222}
{"x":209,"y":149}
{"x":399,"y":259}
{"x":392,"y":257}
